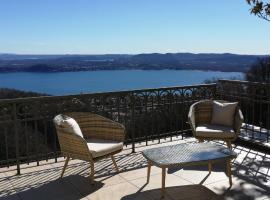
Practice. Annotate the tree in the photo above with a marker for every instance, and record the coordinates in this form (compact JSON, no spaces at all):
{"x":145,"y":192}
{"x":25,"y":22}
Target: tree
{"x":260,"y":8}
{"x":7,"y":93}
{"x":260,"y":71}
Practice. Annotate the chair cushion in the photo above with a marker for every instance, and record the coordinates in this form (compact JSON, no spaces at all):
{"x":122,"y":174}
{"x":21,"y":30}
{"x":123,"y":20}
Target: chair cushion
{"x":214,"y":131}
{"x":223,"y":113}
{"x":68,"y":124}
{"x":100,"y":147}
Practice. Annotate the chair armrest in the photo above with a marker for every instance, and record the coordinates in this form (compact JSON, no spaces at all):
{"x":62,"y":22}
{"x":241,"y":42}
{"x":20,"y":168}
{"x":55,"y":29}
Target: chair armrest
{"x":238,"y":120}
{"x":96,"y":126}
{"x":191,"y":118}
{"x":73,"y":145}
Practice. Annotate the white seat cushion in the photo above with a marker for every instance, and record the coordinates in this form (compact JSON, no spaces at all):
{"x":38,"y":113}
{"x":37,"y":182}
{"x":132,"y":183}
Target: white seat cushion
{"x":100,"y":147}
{"x":215,"y":131}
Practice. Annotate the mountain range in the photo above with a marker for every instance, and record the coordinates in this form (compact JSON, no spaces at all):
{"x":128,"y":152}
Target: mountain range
{"x":150,"y":61}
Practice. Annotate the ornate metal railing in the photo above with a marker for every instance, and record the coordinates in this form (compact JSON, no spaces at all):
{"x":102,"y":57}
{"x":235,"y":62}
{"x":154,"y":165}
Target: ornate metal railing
{"x":254,"y":100}
{"x":27,"y":133}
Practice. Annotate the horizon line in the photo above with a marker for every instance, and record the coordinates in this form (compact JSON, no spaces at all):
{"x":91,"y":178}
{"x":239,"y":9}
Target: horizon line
{"x":90,"y":54}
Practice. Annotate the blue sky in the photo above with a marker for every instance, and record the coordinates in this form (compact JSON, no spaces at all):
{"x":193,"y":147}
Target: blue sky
{"x":131,"y":26}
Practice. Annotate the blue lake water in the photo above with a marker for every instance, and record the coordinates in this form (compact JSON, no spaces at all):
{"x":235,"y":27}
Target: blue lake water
{"x":63,"y":83}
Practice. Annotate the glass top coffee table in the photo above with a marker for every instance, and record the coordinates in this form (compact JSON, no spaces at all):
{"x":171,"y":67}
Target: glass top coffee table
{"x":188,"y":154}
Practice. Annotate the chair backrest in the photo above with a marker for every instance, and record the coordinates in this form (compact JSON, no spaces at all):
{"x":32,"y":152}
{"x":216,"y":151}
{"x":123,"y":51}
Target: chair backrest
{"x":71,"y":144}
{"x":96,"y":126}
{"x":203,"y":111}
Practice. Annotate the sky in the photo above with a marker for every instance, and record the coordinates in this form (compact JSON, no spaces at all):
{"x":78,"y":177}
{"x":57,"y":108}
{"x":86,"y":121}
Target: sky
{"x":131,"y":27}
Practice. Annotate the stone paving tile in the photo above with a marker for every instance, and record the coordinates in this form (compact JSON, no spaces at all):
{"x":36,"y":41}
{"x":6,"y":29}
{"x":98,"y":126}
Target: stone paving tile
{"x":201,"y":176}
{"x":57,"y":189}
{"x":139,"y":173}
{"x":155,"y":183}
{"x":251,"y":179}
{"x":83,"y":185}
{"x":6,"y":169}
{"x":239,"y":190}
{"x":7,"y":192}
{"x":191,"y":192}
{"x":117,"y":192}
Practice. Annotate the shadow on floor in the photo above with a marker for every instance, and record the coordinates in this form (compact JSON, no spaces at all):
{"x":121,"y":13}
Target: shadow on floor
{"x":246,"y":177}
{"x":186,"y":192}
{"x":243,"y":192}
{"x":62,"y":188}
{"x":252,"y":173}
{"x":216,"y":167}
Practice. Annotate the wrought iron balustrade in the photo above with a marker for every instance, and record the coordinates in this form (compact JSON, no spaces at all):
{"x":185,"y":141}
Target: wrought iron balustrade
{"x":254,"y":100}
{"x":27,"y":133}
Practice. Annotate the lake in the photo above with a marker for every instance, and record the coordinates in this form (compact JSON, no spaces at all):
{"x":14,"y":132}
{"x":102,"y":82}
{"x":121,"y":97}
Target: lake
{"x":63,"y":83}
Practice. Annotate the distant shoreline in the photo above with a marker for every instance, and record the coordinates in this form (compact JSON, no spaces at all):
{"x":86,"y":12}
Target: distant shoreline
{"x":100,"y":70}
{"x":155,"y":61}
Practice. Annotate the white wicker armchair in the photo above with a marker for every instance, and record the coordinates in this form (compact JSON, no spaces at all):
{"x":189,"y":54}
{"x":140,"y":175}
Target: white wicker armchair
{"x":200,"y":117}
{"x":102,"y":138}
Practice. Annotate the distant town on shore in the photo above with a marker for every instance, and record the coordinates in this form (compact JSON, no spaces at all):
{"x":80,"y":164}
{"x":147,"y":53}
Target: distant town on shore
{"x":153,"y":61}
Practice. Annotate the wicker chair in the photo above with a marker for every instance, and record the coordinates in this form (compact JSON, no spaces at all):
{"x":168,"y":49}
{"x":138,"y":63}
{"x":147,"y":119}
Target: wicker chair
{"x":200,"y":116}
{"x":102,"y":138}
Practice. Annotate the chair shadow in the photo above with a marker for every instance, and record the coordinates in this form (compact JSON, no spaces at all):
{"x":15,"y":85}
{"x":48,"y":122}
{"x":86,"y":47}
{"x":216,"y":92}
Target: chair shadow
{"x":249,"y":172}
{"x":177,"y":193}
{"x":61,"y":188}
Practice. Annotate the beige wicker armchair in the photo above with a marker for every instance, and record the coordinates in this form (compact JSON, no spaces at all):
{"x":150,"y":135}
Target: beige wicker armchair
{"x":102,"y":138}
{"x":200,"y":117}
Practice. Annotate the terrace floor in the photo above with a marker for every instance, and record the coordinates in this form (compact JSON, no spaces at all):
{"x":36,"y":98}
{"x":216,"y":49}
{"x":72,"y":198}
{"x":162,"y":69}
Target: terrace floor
{"x":251,"y":179}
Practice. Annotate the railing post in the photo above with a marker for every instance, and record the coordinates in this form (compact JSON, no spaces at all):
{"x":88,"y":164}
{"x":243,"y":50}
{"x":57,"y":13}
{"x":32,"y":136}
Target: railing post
{"x":16,"y":138}
{"x":217,"y":93}
{"x":132,"y":122}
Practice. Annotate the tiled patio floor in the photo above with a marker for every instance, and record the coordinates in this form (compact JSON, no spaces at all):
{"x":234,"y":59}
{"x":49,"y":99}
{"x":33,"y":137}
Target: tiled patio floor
{"x":251,"y":179}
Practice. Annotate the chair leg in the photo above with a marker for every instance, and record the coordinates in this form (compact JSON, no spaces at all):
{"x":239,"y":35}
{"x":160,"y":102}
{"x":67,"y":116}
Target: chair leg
{"x":229,"y":171}
{"x":149,"y":164}
{"x":65,"y":166}
{"x":200,"y":140}
{"x":229,"y":144}
{"x":114,"y":163}
{"x":92,"y":172}
{"x":209,"y":167}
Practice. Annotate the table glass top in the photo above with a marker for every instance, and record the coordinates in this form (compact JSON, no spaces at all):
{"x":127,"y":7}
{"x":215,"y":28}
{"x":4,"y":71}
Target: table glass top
{"x":187,"y":153}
